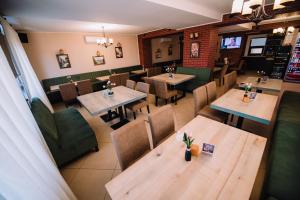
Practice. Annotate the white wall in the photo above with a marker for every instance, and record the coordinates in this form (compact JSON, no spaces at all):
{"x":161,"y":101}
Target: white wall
{"x":43,"y":47}
{"x":156,"y":43}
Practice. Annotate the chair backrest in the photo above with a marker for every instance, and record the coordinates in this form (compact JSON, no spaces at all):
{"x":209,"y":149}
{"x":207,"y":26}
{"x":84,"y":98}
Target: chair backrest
{"x":124,"y":78}
{"x":200,"y":98}
{"x":151,"y":71}
{"x":131,"y":142}
{"x":143,"y":87}
{"x":162,"y":123}
{"x":116,"y":79}
{"x":161,"y":89}
{"x":130,"y":84}
{"x":68,"y":91}
{"x":223,"y":72}
{"x":241,"y":64}
{"x":151,"y":83}
{"x":84,"y":87}
{"x":230,"y":80}
{"x":44,"y":119}
{"x":211,"y":90}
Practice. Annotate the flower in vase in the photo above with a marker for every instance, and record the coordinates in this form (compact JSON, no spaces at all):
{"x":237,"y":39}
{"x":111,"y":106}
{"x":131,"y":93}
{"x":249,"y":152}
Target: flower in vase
{"x":188,"y":140}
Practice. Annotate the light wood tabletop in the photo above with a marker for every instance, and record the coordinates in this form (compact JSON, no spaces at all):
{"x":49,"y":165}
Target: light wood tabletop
{"x":139,"y":71}
{"x":99,"y":102}
{"x":163,"y":173}
{"x":103,"y":78}
{"x":270,"y":84}
{"x":260,"y":109}
{"x":177,"y":78}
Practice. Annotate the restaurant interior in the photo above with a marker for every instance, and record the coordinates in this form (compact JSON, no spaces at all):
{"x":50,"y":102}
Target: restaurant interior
{"x":150,"y":99}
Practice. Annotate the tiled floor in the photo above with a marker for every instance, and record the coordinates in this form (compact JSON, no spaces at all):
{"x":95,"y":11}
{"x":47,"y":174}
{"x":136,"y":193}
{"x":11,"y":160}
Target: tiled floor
{"x":88,"y":175}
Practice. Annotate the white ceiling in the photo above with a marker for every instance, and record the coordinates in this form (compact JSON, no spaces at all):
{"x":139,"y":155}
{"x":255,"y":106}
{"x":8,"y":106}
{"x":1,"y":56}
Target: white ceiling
{"x":121,"y":16}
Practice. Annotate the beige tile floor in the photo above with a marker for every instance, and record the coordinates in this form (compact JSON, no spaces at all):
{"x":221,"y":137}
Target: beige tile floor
{"x":88,"y":175}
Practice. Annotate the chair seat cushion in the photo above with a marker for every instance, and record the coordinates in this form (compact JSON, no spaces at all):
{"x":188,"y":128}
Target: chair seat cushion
{"x":213,"y":114}
{"x":137,"y":105}
{"x":72,"y":127}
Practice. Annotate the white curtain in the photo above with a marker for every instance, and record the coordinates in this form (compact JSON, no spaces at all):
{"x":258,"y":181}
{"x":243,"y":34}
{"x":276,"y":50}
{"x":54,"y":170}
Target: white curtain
{"x":27,"y":169}
{"x":21,"y":61}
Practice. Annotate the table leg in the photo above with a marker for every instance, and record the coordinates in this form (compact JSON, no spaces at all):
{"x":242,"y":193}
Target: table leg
{"x":240,"y":122}
{"x":123,"y":120}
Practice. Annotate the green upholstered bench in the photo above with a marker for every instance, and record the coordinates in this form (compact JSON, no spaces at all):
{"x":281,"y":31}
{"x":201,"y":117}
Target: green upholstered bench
{"x":66,"y":132}
{"x":283,"y":174}
{"x":202,"y":77}
{"x":54,"y":96}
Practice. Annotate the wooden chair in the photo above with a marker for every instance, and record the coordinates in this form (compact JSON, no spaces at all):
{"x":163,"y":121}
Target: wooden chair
{"x":116,"y":79}
{"x":151,"y":71}
{"x":124,"y":77}
{"x":222,"y":73}
{"x":162,"y":124}
{"x":84,"y":87}
{"x":239,"y":68}
{"x":68,"y":93}
{"x":230,"y":81}
{"x":130,"y":84}
{"x":162,"y":91}
{"x":130,"y":142}
{"x":211,"y":89}
{"x":202,"y":106}
{"x":151,"y":83}
{"x":138,"y":105}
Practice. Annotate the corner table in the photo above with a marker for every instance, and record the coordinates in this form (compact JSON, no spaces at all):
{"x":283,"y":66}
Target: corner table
{"x":260,"y":109}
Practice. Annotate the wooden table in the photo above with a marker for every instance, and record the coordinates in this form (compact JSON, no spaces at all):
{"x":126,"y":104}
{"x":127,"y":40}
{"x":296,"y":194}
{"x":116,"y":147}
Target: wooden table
{"x":164,"y":174}
{"x":99,"y":102}
{"x":177,"y":78}
{"x":139,"y":72}
{"x":270,"y":84}
{"x":259,"y":109}
{"x":103,"y":78}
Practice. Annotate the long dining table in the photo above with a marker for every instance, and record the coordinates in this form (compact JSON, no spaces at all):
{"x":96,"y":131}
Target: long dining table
{"x":163,"y":173}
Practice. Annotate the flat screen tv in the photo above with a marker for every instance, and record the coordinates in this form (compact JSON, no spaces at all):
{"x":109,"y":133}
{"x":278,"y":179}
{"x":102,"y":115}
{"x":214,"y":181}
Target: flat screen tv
{"x":231,"y":42}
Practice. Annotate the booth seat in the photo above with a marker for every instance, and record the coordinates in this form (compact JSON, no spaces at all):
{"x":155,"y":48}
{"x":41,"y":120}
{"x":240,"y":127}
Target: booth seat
{"x":54,"y":96}
{"x":202,"y":74}
{"x":67,"y":133}
{"x":283,"y":174}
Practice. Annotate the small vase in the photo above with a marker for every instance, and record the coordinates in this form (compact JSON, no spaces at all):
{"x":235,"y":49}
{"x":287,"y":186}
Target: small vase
{"x":188,"y":155}
{"x":170,"y":75}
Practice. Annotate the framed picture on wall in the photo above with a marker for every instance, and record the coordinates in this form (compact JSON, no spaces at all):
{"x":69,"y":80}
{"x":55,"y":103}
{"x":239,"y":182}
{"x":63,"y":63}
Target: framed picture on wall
{"x":63,"y":61}
{"x":170,"y":50}
{"x":99,"y":60}
{"x":119,"y":52}
{"x":158,"y":53}
{"x":195,"y":50}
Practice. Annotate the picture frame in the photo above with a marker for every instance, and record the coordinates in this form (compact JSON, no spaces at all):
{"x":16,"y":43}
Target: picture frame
{"x":208,"y":148}
{"x":63,"y":61}
{"x":170,"y":50}
{"x":119,"y":52}
{"x":158,"y":53}
{"x":99,"y":60}
{"x":195,"y":50}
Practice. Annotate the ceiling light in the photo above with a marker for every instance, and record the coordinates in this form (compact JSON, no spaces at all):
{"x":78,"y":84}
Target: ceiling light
{"x":277,"y":5}
{"x":290,"y":29}
{"x":104,"y":41}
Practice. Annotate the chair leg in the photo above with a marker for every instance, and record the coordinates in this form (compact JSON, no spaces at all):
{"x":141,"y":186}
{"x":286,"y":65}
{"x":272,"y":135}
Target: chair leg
{"x":231,"y":120}
{"x":148,"y":109}
{"x":175,"y":101}
{"x":156,"y":99}
{"x":134,"y":116}
{"x":166,"y":101}
{"x":140,"y":110}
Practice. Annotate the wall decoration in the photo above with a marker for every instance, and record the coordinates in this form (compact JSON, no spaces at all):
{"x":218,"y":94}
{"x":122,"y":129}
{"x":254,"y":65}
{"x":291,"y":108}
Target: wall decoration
{"x":99,"y":60}
{"x":170,"y":50}
{"x":63,"y":60}
{"x":158,"y":53}
{"x":195,"y":50}
{"x":196,"y":35}
{"x":191,"y":35}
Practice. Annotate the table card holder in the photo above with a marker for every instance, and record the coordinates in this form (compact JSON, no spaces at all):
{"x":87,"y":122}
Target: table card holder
{"x":208,"y":148}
